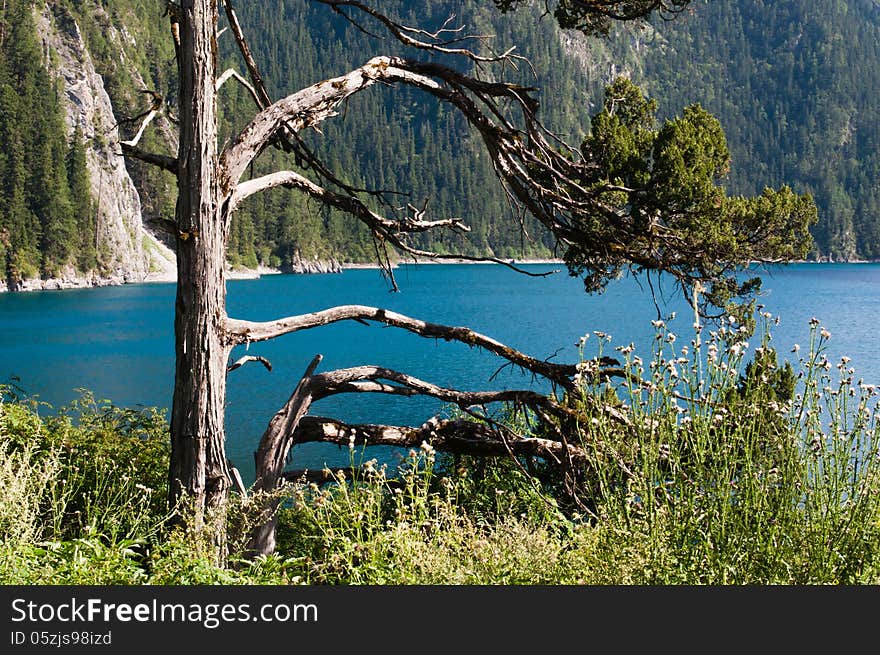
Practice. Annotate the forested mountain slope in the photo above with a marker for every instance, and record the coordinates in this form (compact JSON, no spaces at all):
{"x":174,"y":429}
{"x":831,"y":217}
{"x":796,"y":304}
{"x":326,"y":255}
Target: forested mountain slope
{"x":69,"y":212}
{"x":794,"y":84}
{"x":398,"y":139}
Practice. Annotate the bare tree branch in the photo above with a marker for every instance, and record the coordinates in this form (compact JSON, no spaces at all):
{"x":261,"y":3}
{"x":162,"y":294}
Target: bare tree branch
{"x":352,"y":379}
{"x":241,"y":332}
{"x":302,"y":109}
{"x":437,"y":41}
{"x":261,"y":95}
{"x":347,"y":203}
{"x":312,"y":105}
{"x":137,"y":137}
{"x":452,"y":436}
{"x":436,"y":256}
{"x":231,"y":72}
{"x":237,"y":482}
{"x":287,"y":139}
{"x":241,"y":361}
{"x":162,"y":161}
{"x":513,"y":151}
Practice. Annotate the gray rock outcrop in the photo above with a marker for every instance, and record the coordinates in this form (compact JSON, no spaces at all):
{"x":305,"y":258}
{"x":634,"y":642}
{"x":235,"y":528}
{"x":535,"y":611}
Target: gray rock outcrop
{"x":304,"y":265}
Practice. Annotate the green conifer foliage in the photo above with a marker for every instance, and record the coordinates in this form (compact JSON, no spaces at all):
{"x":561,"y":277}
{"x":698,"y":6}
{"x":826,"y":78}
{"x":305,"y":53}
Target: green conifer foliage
{"x":664,"y":186}
{"x":44,"y":190}
{"x":83,"y":206}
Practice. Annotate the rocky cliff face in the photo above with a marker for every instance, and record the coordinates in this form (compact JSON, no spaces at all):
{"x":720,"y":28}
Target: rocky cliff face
{"x":312,"y":265}
{"x":127,"y":251}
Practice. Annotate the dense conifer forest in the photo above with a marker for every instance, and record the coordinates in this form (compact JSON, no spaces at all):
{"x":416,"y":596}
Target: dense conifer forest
{"x":794,"y":85}
{"x":46,"y":222}
{"x":787,"y":80}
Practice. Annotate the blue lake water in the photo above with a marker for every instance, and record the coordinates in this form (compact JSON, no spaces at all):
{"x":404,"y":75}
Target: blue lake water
{"x":117,"y":341}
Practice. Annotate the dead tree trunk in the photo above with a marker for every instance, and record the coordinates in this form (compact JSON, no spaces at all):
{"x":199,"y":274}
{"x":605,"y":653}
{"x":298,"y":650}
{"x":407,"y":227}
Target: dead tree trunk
{"x":572,"y":196}
{"x":198,"y":474}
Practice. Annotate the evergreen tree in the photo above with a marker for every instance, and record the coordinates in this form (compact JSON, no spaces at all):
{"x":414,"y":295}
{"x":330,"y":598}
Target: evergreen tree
{"x":37,"y":222}
{"x":83,"y":206}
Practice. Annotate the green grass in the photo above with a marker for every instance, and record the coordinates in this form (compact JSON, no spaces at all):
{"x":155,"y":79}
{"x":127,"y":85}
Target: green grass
{"x":724,"y":470}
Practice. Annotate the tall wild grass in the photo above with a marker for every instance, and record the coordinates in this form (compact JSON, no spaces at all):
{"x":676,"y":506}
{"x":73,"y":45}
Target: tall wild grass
{"x":721,"y":464}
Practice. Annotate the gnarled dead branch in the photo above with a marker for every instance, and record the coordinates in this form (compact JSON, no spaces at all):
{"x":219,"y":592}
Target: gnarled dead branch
{"x":164,"y":162}
{"x":347,"y":203}
{"x":241,"y":332}
{"x":290,"y":426}
{"x":536,"y":174}
{"x":452,"y":436}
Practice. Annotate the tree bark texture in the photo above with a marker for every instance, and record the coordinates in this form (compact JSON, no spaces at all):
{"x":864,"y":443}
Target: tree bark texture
{"x":199,"y":473}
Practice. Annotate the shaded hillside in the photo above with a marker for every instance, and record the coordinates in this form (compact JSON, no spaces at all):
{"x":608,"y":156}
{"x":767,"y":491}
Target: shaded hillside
{"x":795,"y":85}
{"x":398,"y":139}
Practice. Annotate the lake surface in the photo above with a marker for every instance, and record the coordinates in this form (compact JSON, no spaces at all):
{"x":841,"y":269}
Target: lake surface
{"x":117,"y":341}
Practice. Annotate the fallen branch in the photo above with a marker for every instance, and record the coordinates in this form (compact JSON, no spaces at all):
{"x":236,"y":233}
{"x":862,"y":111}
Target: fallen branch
{"x":290,"y":426}
{"x":452,"y":436}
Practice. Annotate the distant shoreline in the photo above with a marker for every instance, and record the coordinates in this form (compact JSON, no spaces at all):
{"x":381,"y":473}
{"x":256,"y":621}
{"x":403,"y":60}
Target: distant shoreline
{"x":433,"y":262}
{"x":91,"y":281}
{"x":94,"y":281}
